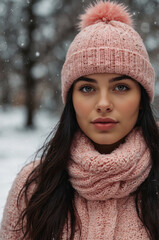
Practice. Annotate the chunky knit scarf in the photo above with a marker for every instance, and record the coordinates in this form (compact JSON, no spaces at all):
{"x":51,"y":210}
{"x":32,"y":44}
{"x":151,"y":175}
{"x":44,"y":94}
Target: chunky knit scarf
{"x":104,"y":185}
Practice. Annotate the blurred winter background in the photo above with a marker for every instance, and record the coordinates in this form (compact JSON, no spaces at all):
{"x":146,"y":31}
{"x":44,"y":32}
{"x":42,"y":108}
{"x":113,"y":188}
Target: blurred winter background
{"x":34,"y":38}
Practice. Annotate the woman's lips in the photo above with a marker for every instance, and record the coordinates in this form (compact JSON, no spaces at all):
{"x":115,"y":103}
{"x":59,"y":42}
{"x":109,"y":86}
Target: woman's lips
{"x":104,"y":123}
{"x":104,"y":126}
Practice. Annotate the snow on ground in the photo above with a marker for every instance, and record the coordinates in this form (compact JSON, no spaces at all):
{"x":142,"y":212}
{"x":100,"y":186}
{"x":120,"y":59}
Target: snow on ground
{"x":18,"y":145}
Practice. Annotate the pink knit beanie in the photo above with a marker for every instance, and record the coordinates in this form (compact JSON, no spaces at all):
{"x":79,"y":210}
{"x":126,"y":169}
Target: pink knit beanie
{"x":107,"y":43}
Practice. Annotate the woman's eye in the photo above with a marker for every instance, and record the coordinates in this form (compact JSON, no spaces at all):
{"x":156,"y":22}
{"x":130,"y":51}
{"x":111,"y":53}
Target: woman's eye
{"x":86,"y":89}
{"x":121,"y":88}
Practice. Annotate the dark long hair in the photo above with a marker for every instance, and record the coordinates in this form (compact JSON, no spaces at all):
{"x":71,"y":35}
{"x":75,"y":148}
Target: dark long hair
{"x":51,"y":206}
{"x":52,"y":202}
{"x":147,"y":198}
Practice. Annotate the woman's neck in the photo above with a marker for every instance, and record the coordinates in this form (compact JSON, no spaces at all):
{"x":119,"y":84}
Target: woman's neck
{"x":107,"y":149}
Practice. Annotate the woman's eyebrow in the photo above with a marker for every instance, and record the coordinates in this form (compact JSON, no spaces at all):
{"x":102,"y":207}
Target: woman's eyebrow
{"x":111,"y":80}
{"x":120,"y":78}
{"x":86,"y":79}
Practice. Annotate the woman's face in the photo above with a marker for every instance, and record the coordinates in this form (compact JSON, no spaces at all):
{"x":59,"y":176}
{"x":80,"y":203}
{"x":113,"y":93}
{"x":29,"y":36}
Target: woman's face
{"x":107,"y":107}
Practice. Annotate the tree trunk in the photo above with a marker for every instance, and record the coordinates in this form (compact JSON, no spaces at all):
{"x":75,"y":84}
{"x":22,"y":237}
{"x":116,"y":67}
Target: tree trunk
{"x":29,"y":61}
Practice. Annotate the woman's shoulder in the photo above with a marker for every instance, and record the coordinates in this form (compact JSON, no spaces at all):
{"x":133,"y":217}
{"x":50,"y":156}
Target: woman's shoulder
{"x":22,"y":177}
{"x":24,"y":173}
{"x":12,"y":210}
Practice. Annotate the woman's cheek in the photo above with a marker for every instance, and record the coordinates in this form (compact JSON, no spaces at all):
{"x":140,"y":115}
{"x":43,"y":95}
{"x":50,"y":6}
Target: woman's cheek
{"x":129,"y":108}
{"x":82,"y":106}
{"x":83,"y":109}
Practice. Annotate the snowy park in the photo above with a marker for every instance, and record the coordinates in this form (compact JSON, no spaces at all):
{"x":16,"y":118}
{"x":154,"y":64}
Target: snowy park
{"x":18,"y":145}
{"x":34,"y":40}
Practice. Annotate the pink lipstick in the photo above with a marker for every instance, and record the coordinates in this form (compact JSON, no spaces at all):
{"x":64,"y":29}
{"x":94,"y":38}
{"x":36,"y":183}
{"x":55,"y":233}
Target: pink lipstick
{"x":104,"y":123}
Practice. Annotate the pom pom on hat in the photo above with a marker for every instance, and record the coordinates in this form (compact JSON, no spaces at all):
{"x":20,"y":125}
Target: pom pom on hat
{"x":105,"y":12}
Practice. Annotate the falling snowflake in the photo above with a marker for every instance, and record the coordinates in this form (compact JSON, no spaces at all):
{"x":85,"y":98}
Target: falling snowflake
{"x":37,"y":54}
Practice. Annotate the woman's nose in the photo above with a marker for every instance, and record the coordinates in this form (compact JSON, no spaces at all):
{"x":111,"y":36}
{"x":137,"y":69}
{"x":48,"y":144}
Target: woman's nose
{"x":104,"y":103}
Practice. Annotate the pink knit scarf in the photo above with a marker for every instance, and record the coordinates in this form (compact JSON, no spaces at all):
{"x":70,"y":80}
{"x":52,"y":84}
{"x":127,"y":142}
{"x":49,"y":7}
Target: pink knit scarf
{"x":98,"y":176}
{"x":103,"y":183}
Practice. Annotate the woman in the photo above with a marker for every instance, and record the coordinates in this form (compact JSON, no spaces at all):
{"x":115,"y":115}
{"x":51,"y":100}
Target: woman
{"x":98,"y":177}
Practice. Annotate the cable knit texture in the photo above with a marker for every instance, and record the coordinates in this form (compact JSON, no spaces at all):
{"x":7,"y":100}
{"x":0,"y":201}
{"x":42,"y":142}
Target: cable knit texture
{"x":107,"y":43}
{"x":103,"y":184}
{"x":98,"y":176}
